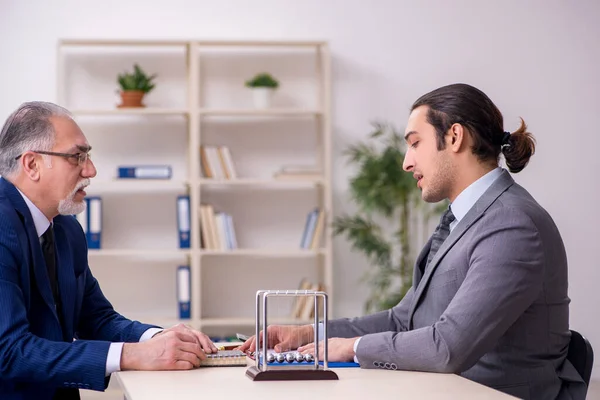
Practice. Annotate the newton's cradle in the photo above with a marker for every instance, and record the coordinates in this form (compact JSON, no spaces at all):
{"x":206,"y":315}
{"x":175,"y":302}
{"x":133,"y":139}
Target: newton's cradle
{"x":289,"y":365}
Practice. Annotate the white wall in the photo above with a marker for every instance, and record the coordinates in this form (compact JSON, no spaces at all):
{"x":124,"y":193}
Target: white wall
{"x":536,"y":59}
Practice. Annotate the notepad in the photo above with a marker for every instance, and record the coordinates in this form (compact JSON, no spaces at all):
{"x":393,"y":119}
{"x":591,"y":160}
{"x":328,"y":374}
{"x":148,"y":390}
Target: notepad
{"x":225,"y":358}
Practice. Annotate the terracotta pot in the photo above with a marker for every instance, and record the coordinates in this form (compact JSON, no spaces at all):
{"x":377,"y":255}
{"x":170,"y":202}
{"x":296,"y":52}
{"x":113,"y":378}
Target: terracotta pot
{"x":132,"y":98}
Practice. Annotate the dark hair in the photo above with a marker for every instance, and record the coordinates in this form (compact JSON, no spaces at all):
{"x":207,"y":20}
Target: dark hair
{"x":466,"y":105}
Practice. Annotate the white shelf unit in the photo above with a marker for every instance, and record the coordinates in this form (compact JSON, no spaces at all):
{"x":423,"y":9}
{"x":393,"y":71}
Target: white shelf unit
{"x":192,"y":106}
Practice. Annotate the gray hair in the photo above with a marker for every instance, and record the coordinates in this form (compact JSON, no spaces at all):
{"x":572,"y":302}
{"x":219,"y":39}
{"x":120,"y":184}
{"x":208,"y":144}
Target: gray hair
{"x":28,"y":128}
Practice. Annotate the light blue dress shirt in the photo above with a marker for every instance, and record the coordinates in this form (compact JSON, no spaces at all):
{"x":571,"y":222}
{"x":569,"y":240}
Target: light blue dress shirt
{"x":113,"y":360}
{"x":461,"y":206}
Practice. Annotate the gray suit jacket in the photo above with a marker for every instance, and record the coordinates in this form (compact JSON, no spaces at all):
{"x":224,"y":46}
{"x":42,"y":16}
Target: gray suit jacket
{"x":492,"y":306}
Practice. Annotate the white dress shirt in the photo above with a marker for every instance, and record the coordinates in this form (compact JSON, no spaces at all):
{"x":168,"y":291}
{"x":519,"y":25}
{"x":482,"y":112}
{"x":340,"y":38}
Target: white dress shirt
{"x":461,"y":206}
{"x":113,"y":360}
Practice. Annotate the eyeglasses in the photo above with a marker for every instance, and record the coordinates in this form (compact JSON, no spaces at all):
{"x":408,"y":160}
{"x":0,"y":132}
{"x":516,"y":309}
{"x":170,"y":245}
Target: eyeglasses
{"x":80,"y":158}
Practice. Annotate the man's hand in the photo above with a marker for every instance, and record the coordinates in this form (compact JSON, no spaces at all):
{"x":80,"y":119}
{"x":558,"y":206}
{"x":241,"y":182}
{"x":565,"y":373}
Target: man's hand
{"x":203,"y":340}
{"x":169,"y":350}
{"x":338,"y":349}
{"x":282,"y":338}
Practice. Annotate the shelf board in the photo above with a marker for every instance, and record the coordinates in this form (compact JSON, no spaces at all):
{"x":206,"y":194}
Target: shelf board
{"x":129,"y":111}
{"x":261,"y":43}
{"x":250,"y":321}
{"x":175,"y":253}
{"x":284,"y":253}
{"x":181,"y":42}
{"x":277,"y":183}
{"x":251,"y":112}
{"x":121,"y":42}
{"x":136,"y":186}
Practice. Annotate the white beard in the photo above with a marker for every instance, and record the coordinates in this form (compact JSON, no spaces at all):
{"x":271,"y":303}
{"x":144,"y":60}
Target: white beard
{"x":69,"y":206}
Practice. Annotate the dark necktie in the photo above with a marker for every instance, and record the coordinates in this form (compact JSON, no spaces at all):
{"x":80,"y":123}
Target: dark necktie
{"x":50,"y":258}
{"x":441,"y":233}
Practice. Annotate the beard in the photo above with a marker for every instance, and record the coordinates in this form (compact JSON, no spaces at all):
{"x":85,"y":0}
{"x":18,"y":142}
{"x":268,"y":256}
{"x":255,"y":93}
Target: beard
{"x":68,"y":206}
{"x":440,"y":181}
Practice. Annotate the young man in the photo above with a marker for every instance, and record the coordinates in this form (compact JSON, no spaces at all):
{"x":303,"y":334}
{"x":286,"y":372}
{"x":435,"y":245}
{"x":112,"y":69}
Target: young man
{"x":48,"y":295}
{"x":489,"y":299}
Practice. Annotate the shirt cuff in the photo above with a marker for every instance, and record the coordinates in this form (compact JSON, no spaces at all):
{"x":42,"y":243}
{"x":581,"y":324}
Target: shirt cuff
{"x":113,"y":360}
{"x":149,"y":333}
{"x":355,"y":347}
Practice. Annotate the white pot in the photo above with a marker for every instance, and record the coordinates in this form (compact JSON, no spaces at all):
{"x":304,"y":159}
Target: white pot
{"x":262,"y":97}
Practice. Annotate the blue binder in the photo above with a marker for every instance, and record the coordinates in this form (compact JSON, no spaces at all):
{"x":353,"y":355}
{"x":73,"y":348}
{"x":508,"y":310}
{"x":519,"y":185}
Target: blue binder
{"x":94,"y":222}
{"x":184,"y":291}
{"x":183,"y":221}
{"x":145,"y":172}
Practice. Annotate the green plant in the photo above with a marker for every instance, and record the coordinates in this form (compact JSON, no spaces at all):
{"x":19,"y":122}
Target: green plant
{"x":263,"y":80}
{"x":138,"y":80}
{"x":382,"y":190}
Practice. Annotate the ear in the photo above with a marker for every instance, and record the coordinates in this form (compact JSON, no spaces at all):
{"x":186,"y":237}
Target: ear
{"x":31,"y":164}
{"x":456,"y":137}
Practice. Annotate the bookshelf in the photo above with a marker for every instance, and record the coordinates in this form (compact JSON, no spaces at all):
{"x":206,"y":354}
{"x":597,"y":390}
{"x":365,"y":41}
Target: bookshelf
{"x":200,"y":100}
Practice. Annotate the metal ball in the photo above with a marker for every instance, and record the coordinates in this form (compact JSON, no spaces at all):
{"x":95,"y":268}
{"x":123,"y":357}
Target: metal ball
{"x":270,"y":358}
{"x":289,"y":357}
{"x":299,"y":357}
{"x":309,"y":358}
{"x":280,"y":358}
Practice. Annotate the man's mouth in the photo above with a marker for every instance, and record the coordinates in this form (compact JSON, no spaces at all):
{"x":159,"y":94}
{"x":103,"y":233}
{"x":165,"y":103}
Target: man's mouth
{"x":419,"y":178}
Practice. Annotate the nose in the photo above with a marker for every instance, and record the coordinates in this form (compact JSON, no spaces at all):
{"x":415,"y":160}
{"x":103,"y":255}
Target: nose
{"x":408,"y":163}
{"x":89,"y":169}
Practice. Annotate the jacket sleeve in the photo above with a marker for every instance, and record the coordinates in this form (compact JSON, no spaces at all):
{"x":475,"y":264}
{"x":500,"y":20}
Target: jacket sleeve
{"x":395,"y":319}
{"x":504,"y":278}
{"x":25,"y":357}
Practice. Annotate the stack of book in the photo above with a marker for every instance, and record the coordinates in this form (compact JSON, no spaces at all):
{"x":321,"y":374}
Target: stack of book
{"x":304,"y":306}
{"x":217,"y":229}
{"x":217,"y":162}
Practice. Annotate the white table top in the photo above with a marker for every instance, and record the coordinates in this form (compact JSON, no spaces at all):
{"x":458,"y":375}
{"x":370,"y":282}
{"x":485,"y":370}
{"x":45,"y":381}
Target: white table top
{"x":353,"y":383}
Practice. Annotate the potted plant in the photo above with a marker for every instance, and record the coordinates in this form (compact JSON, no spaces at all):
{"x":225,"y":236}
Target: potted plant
{"x":134,"y":86}
{"x":384,"y":192}
{"x":263,"y":85}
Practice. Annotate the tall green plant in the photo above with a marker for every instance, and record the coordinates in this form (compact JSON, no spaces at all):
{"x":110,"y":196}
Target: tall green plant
{"x":383,"y":190}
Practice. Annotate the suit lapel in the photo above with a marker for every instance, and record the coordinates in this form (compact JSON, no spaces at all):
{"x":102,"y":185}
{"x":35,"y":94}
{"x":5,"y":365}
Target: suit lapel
{"x":481,"y":205}
{"x":417,"y":274}
{"x":39,"y":265}
{"x":66,"y":278}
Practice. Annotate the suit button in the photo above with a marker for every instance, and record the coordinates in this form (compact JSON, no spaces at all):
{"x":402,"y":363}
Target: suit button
{"x":387,"y":366}
{"x":86,"y":386}
{"x":375,"y":363}
{"x":66,"y":384}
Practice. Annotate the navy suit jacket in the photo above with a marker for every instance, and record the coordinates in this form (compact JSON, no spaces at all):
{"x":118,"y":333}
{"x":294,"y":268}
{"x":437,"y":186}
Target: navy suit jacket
{"x":37,"y":354}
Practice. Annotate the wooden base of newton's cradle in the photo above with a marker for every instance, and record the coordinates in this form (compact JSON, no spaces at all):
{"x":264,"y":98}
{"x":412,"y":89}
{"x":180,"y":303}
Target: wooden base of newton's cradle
{"x":290,"y":374}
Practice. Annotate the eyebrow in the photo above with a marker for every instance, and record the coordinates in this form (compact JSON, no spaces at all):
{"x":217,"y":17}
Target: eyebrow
{"x":85,"y":149}
{"x":409,"y":134}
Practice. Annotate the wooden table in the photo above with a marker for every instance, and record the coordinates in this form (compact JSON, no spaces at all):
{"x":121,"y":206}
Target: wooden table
{"x":353,"y":383}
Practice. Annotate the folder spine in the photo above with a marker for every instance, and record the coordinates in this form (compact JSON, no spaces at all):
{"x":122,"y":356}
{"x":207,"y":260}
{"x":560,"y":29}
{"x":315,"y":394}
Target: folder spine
{"x":184,"y":291}
{"x":183,"y":221}
{"x":145,"y":172}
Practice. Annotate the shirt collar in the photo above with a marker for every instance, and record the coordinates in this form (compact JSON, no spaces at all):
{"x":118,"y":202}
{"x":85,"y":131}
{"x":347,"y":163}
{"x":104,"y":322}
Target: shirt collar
{"x":39,"y":219}
{"x":468,"y":197}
